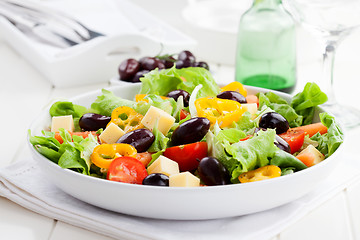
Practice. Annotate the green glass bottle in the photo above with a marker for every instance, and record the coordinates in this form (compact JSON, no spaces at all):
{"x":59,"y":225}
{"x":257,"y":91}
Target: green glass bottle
{"x":266,"y":47}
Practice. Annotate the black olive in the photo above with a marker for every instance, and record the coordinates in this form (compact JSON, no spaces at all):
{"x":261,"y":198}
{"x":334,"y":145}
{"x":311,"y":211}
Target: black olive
{"x":212,"y":172}
{"x":232,"y":95}
{"x":190,"y":131}
{"x":128,"y":68}
{"x":93,"y":121}
{"x":275,"y":121}
{"x":156,"y":179}
{"x":175,"y":94}
{"x":141,"y":139}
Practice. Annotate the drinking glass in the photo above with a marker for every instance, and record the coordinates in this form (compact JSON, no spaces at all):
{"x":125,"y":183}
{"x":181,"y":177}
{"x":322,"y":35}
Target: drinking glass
{"x":331,"y":21}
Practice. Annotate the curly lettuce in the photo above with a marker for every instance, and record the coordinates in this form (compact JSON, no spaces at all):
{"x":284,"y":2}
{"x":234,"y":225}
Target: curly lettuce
{"x":107,"y":102}
{"x":243,"y":156}
{"x":74,"y":153}
{"x":164,"y":81}
{"x":300,"y":111}
{"x":330,"y":141}
{"x":305,"y":102}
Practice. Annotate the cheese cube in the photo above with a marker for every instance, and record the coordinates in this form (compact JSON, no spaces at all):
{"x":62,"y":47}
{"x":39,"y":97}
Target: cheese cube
{"x":111,"y":134}
{"x":184,"y":179}
{"x":158,"y":116}
{"x":164,"y":165}
{"x":65,"y":122}
{"x":310,"y":156}
{"x":250,"y":107}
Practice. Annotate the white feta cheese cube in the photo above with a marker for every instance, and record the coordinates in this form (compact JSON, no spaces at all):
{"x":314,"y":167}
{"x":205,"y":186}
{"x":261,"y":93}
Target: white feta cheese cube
{"x":111,"y":134}
{"x":65,"y":122}
{"x":184,"y":179}
{"x":164,"y":165}
{"x":158,"y":116}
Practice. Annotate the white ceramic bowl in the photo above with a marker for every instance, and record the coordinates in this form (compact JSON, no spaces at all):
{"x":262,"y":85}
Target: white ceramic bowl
{"x":180,"y":203}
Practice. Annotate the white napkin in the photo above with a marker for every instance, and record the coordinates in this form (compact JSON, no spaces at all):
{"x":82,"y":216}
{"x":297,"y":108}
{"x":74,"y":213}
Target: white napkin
{"x":24,"y":184}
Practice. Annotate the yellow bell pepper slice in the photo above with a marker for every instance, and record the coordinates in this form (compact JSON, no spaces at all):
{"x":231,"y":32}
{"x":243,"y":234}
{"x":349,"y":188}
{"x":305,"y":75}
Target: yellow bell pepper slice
{"x":235,"y":86}
{"x":222,"y":111}
{"x":262,"y":173}
{"x":126,"y":118}
{"x":104,"y":154}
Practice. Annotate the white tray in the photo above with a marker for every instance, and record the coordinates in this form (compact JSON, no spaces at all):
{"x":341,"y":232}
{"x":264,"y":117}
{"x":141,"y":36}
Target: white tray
{"x":129,"y":32}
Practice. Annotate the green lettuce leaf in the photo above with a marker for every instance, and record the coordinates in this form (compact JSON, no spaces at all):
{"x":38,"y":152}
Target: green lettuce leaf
{"x":246,"y":155}
{"x":48,"y":153}
{"x":195,"y":76}
{"x":63,"y":108}
{"x":88,"y":145}
{"x":48,"y":140}
{"x":322,"y":141}
{"x":245,"y":123}
{"x":231,"y":135}
{"x":305,"y":102}
{"x":287,"y":171}
{"x":285,"y":160}
{"x":330,"y":141}
{"x":280,"y":106}
{"x":164,"y":81}
{"x":71,"y":154}
{"x":160,"y":82}
{"x":160,"y":142}
{"x":107,"y":102}
{"x":302,"y":107}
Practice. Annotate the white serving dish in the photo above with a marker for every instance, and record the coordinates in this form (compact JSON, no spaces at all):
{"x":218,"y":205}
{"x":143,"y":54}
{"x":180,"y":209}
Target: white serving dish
{"x":180,"y":203}
{"x":130,"y":31}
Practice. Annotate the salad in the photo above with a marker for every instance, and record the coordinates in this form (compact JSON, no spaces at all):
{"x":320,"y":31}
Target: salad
{"x":183,"y":130}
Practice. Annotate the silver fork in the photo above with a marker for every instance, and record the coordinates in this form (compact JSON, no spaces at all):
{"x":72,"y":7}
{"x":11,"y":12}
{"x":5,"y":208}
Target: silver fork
{"x":31,"y":17}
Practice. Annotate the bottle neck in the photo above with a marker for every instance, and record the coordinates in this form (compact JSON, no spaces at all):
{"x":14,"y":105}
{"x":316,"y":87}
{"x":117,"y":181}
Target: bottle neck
{"x":266,"y":3}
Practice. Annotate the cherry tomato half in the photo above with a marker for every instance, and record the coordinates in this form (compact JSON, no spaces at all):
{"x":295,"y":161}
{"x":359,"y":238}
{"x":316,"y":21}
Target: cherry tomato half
{"x":127,"y":170}
{"x":295,"y":139}
{"x":183,"y":114}
{"x":188,"y":155}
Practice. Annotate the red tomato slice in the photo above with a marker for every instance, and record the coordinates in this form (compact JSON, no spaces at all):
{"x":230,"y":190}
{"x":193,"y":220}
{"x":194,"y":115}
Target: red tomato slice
{"x":127,"y":170}
{"x":252,"y":99}
{"x":295,"y":139}
{"x":188,"y":155}
{"x":183,"y":114}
